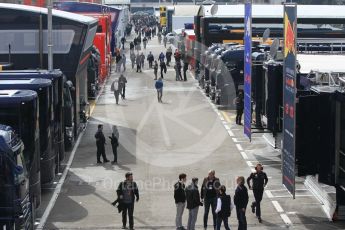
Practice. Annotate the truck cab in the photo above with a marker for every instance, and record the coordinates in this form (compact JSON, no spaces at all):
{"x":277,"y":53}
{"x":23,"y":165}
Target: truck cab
{"x":15,"y":205}
{"x":43,"y":88}
{"x":62,"y":102}
{"x":19,"y":110}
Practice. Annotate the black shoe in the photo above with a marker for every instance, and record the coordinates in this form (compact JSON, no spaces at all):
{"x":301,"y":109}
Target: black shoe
{"x":260,"y":220}
{"x":253,"y":208}
{"x":114,"y":162}
{"x":106,"y":161}
{"x":99,"y":162}
{"x":124,"y":227}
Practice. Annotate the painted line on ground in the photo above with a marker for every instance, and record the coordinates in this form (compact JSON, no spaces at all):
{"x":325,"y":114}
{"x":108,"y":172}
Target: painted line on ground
{"x":58,"y":188}
{"x":230,"y":133}
{"x":291,"y":213}
{"x":224,"y":117}
{"x":57,"y":191}
{"x":239,"y":147}
{"x":227,"y":117}
{"x":289,"y":196}
{"x":244,"y":155}
{"x":286,"y":219}
{"x":277,"y":206}
{"x":249,"y":164}
{"x":238,"y":141}
{"x":269,"y":194}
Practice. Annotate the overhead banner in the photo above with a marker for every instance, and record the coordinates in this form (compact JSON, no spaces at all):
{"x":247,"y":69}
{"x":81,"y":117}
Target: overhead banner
{"x":288,"y":153}
{"x":248,"y":69}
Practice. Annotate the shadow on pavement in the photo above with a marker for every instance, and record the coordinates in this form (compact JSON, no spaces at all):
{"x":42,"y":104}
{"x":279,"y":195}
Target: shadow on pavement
{"x":74,"y":211}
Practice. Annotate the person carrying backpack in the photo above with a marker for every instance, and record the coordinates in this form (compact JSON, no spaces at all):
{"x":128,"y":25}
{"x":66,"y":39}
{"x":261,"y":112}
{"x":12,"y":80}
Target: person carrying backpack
{"x":223,"y":209}
{"x":128,"y":193}
{"x":161,"y":57}
{"x":177,"y":56}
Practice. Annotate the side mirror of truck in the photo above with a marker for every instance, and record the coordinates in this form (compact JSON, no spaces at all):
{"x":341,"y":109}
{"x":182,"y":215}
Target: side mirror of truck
{"x":18,"y":170}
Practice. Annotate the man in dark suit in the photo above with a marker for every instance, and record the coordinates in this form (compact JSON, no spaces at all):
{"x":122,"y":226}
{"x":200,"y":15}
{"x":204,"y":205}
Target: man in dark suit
{"x":100,"y":142}
{"x":241,"y":201}
{"x":209,"y":191}
{"x":128,"y":193}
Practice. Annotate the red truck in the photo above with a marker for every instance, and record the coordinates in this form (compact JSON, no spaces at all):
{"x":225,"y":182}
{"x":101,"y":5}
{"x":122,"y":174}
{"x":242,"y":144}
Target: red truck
{"x":102,"y":42}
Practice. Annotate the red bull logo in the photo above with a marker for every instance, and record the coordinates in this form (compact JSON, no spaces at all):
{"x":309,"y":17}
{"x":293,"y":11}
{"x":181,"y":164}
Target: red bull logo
{"x":289,"y":34}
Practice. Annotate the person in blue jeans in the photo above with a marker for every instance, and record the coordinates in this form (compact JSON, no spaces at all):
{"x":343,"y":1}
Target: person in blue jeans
{"x":159,"y":88}
{"x":209,"y":191}
{"x":223,"y":209}
{"x":241,"y":201}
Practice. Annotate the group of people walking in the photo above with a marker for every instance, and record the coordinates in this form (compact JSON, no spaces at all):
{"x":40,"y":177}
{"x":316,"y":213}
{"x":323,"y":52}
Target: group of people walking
{"x":179,"y":58}
{"x":213,"y":196}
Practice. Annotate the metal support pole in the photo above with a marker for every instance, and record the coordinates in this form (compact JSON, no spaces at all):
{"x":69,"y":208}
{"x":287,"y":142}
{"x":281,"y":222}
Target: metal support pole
{"x":40,"y":39}
{"x":50,"y":35}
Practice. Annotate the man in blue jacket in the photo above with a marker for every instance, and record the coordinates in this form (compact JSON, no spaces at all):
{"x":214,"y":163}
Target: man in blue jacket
{"x":159,"y":88}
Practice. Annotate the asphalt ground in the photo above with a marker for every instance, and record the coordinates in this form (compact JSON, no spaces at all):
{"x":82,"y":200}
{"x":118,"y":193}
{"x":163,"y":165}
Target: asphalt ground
{"x":186,"y":133}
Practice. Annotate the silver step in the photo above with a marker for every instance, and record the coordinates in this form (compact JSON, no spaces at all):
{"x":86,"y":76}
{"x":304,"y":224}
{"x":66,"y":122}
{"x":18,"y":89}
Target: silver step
{"x":324,"y":193}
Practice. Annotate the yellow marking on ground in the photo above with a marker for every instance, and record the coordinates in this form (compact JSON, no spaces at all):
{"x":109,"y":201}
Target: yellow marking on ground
{"x":227,"y":117}
{"x":92,"y":106}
